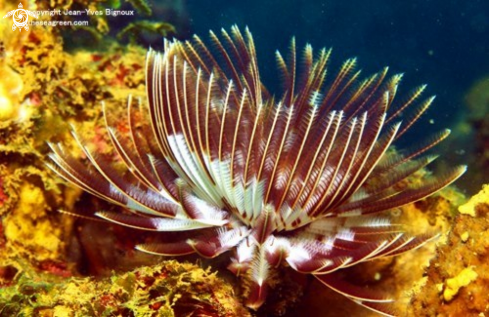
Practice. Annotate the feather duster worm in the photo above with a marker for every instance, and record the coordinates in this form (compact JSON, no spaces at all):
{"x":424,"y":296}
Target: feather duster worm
{"x":301,"y":179}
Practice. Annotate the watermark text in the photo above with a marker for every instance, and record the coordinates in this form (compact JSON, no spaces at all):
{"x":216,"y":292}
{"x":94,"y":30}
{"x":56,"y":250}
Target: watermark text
{"x":58,"y":23}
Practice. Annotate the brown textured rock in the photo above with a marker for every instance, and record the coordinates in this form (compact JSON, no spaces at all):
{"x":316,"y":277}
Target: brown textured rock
{"x":458,"y":277}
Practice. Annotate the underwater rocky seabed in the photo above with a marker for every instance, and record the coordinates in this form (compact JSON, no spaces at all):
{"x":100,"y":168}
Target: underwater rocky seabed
{"x":52,"y":264}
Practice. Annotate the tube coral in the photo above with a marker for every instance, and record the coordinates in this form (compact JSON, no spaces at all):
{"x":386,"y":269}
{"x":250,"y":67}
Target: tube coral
{"x":305,"y":178}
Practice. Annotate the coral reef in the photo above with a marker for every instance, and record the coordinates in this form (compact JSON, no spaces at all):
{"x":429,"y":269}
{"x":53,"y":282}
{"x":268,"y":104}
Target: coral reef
{"x":167,"y":289}
{"x":44,"y":89}
{"x":54,"y":89}
{"x":457,"y":278}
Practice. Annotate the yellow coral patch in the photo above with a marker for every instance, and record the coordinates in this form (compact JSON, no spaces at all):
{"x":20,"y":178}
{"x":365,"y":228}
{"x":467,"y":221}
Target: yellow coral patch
{"x":7,"y":110}
{"x":10,"y":87}
{"x":481,"y":198}
{"x":453,"y":285}
{"x":27,"y":226}
{"x":62,"y":311}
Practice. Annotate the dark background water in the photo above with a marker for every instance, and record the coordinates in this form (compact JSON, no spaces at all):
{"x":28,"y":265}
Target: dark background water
{"x":444,"y":43}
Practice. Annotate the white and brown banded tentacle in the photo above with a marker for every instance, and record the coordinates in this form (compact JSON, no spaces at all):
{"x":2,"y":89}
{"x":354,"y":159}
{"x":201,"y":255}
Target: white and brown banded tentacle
{"x":317,"y":184}
{"x":208,"y":245}
{"x":377,"y":302}
{"x":107,"y":184}
{"x":137,"y":161}
{"x":401,"y":198}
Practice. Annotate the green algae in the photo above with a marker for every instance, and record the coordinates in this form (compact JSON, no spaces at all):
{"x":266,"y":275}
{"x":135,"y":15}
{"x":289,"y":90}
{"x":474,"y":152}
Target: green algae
{"x":161,"y":290}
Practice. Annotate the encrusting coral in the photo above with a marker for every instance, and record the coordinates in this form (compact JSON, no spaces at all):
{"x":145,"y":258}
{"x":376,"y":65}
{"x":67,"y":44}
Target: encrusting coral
{"x":168,"y":289}
{"x":57,"y":88}
{"x":43,"y":89}
{"x":458,"y":275}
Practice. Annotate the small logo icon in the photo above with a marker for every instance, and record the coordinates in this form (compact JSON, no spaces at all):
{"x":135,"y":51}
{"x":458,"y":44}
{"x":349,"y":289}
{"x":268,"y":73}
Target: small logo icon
{"x":20,"y":17}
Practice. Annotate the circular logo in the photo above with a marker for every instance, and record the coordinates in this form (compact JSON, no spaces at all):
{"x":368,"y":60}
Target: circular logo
{"x":20,"y":18}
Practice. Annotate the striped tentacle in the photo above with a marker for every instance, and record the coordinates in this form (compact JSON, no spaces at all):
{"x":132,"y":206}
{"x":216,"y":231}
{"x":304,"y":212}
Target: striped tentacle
{"x":377,"y":302}
{"x":208,"y":244}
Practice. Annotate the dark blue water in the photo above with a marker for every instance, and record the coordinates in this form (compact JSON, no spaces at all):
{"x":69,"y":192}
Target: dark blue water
{"x":442,"y":43}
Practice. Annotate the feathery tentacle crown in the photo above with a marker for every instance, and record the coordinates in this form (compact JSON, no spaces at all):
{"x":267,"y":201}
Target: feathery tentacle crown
{"x":300,"y":178}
